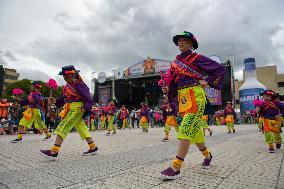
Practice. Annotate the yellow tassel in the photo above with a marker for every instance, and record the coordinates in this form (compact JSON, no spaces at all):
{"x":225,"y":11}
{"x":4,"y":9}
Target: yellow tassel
{"x":177,"y":163}
{"x":92,"y":145}
{"x":55,"y":148}
{"x":20,"y":136}
{"x":205,"y":152}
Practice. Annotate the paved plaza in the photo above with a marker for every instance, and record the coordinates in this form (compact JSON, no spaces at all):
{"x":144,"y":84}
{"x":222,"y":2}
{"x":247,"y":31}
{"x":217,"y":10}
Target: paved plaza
{"x":133,"y":159}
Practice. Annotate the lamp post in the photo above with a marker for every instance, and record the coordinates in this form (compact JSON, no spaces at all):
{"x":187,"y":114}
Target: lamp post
{"x":232,"y":57}
{"x":113,"y":84}
{"x":93,"y":82}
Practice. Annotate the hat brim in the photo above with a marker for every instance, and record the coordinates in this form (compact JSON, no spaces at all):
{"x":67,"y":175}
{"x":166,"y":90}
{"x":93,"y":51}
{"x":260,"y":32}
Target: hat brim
{"x":177,"y":37}
{"x":61,"y":73}
{"x":269,"y":92}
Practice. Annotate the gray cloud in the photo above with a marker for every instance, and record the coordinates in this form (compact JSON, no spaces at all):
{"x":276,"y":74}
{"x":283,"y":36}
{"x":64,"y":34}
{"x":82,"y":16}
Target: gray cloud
{"x":33,"y":75}
{"x":6,"y":55}
{"x":64,"y":19}
{"x":9,"y":55}
{"x":119,"y":33}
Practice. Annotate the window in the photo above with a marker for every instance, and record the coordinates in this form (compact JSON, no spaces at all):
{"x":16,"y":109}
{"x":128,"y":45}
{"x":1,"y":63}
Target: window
{"x":281,"y":84}
{"x":11,"y":77}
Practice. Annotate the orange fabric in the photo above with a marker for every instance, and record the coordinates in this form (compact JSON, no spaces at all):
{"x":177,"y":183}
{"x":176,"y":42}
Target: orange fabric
{"x":28,"y":113}
{"x":229,"y":119}
{"x":143,"y":119}
{"x":4,"y":109}
{"x":103,"y":118}
{"x":66,"y":109}
{"x":205,"y":117}
{"x":270,"y":125}
{"x":187,"y":102}
{"x":171,"y":120}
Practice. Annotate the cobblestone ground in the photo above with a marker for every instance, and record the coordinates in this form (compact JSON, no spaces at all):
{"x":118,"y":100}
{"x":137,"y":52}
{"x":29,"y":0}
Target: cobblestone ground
{"x":132,"y":159}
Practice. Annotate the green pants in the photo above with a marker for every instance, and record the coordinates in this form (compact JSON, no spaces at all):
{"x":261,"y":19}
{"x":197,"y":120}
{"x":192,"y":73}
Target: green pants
{"x":168,"y":128}
{"x":230,"y":126}
{"x":205,"y":124}
{"x":271,"y":137}
{"x":111,"y":125}
{"x":191,"y":127}
{"x":35,"y":118}
{"x":74,"y":118}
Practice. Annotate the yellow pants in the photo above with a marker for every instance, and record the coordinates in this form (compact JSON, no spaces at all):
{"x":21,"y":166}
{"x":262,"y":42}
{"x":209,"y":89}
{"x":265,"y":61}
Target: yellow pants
{"x":191,"y":127}
{"x":74,"y":118}
{"x":32,"y":115}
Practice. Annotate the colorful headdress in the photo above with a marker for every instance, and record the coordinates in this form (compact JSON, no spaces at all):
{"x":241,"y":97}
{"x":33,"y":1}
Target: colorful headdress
{"x":268,"y":92}
{"x":36,"y":84}
{"x":186,"y":35}
{"x":68,"y":70}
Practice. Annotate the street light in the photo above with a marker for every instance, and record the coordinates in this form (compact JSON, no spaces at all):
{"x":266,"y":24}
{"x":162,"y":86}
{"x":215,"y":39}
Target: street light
{"x":93,"y":82}
{"x":232,"y":57}
{"x":113,"y":84}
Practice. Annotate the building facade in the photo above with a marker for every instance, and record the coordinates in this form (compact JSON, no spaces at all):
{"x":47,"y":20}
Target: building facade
{"x":1,"y":80}
{"x":7,"y":77}
{"x":268,"y":76}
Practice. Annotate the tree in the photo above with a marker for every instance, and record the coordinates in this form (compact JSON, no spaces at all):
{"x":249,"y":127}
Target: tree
{"x":25,"y":85}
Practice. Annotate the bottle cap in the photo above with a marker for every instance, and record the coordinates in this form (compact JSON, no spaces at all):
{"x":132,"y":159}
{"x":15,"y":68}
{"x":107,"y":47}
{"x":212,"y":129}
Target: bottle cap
{"x":249,"y":64}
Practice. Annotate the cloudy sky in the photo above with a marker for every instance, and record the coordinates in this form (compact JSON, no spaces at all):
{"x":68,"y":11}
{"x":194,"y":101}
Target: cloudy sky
{"x":39,"y":37}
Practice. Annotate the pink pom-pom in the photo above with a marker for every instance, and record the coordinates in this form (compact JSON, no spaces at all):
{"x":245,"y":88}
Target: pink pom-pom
{"x":257,"y":102}
{"x":157,"y":116}
{"x":160,"y":83}
{"x":166,"y":79}
{"x":17,"y":91}
{"x":52,"y":84}
{"x":105,"y":108}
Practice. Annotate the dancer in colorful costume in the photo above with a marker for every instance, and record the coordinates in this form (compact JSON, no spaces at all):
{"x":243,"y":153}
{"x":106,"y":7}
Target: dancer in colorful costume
{"x":188,"y":75}
{"x":157,"y":117}
{"x":111,"y":117}
{"x":230,"y":115}
{"x":34,"y":114}
{"x":124,"y":114}
{"x":270,"y":110}
{"x":144,"y":116}
{"x":218,"y":117}
{"x":170,"y":118}
{"x":104,"y":110}
{"x":77,"y":103}
{"x":205,"y":124}
{"x":258,"y":114}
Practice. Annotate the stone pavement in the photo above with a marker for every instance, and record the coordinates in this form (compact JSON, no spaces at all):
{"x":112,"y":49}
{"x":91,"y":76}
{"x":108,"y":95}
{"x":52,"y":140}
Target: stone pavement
{"x":132,"y":159}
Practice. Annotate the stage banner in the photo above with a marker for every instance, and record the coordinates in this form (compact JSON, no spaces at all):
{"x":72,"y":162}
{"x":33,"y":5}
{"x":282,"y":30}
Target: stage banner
{"x":104,"y":94}
{"x":148,"y":66}
{"x":213,"y":95}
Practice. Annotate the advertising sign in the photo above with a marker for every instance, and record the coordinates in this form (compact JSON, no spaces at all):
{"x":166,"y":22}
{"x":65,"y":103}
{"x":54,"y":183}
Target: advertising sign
{"x":247,"y":96}
{"x":104,"y":94}
{"x":213,"y":95}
